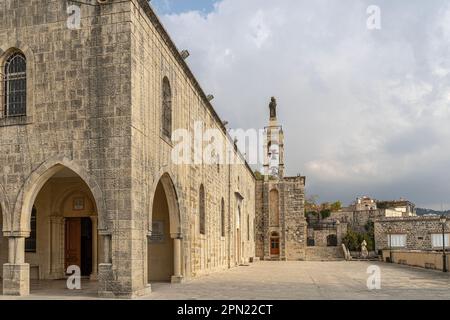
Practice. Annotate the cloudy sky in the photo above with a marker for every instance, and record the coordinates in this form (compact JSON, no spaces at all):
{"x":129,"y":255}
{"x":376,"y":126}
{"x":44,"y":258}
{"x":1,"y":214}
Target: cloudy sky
{"x":365,"y":112}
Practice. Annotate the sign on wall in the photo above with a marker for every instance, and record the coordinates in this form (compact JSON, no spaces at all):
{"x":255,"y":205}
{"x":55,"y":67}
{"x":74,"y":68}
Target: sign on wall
{"x":157,"y":232}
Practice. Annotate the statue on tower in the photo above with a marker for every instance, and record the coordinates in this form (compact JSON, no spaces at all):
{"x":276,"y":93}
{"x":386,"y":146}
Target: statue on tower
{"x":273,"y":108}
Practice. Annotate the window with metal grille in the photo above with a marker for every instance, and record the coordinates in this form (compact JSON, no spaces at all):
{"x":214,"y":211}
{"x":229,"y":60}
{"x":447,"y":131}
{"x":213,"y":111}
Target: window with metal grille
{"x":167,"y":109}
{"x":30,"y":242}
{"x":15,"y":84}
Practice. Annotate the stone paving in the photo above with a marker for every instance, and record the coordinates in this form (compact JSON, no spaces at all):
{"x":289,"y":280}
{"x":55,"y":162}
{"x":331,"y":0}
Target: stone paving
{"x":283,"y":280}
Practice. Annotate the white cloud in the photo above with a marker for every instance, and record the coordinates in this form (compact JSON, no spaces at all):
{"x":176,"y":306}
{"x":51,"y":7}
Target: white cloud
{"x":363,"y":111}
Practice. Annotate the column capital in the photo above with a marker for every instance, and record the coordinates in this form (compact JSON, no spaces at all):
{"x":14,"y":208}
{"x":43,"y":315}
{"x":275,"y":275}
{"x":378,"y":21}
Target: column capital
{"x":104,"y":232}
{"x":16,"y":234}
{"x":177,"y":235}
{"x":57,"y":218}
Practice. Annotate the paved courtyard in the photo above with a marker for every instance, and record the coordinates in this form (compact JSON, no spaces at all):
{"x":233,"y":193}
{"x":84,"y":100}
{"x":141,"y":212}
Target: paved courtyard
{"x":284,"y":280}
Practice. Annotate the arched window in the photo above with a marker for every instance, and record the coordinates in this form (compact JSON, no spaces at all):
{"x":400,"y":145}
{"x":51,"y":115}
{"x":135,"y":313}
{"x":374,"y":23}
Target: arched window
{"x":30,"y":242}
{"x":15,"y":85}
{"x":222,"y":218}
{"x":248,"y":227}
{"x":202,"y":210}
{"x":166,"y":109}
{"x":274,"y":209}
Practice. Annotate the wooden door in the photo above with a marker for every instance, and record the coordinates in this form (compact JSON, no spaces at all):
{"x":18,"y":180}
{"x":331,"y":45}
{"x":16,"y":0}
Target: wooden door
{"x":275,"y":246}
{"x":73,"y":242}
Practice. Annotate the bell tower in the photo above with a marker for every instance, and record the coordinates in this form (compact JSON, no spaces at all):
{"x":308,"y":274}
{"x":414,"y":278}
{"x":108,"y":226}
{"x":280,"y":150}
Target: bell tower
{"x":273,"y":145}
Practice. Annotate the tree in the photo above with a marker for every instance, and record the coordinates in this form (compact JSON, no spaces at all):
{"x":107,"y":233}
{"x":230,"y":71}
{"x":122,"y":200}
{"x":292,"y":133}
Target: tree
{"x":311,"y":204}
{"x":325,"y":213}
{"x":351,"y":240}
{"x":336,"y":206}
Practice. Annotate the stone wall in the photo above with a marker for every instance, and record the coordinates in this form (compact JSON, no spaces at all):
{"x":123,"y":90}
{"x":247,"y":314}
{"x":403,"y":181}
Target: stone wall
{"x":418,"y":231}
{"x":78,"y":111}
{"x":292,"y":226}
{"x":357,"y":219}
{"x":153,"y":58}
{"x":320,"y":237}
{"x":422,"y":259}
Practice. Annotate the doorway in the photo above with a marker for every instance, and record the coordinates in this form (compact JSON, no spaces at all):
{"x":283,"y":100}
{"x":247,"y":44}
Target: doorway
{"x":275,"y":244}
{"x":78,"y":244}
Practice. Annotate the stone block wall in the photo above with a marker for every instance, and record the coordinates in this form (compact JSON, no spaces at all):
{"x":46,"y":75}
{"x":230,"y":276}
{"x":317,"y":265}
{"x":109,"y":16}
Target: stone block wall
{"x":78,"y":108}
{"x":418,"y":231}
{"x":292,"y":226}
{"x":154,"y":57}
{"x":422,"y":259}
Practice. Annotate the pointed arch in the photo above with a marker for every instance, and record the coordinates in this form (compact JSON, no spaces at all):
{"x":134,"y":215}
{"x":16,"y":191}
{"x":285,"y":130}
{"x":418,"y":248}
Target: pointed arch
{"x":35,"y":182}
{"x":173,"y":202}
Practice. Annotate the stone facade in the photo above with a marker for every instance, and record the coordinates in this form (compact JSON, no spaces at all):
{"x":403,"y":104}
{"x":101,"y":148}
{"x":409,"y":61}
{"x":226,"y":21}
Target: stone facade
{"x":93,"y":119}
{"x":418,"y":231}
{"x":291,"y":228}
{"x":357,"y":220}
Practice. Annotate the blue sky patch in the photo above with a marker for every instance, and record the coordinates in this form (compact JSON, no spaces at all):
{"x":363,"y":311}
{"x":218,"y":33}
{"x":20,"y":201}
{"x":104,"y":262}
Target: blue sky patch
{"x":179,"y":6}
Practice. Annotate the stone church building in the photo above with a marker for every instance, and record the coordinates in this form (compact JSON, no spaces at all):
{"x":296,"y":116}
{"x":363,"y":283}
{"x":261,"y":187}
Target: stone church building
{"x":86,"y":177}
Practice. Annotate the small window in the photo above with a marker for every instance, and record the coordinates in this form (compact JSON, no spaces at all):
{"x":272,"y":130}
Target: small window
{"x":436,"y":240}
{"x":15,"y":85}
{"x":202,"y":210}
{"x":397,"y":240}
{"x":248,"y":227}
{"x":30,"y":242}
{"x":222,"y":218}
{"x":166,"y":125}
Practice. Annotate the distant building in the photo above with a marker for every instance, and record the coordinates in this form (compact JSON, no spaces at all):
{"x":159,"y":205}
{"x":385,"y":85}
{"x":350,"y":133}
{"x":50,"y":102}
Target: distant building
{"x":398,"y":208}
{"x":365,"y":203}
{"x":414,"y":240}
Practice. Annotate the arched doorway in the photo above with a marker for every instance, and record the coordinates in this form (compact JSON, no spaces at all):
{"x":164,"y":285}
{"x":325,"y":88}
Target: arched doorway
{"x":63,"y":228}
{"x":164,"y":244}
{"x":274,"y":244}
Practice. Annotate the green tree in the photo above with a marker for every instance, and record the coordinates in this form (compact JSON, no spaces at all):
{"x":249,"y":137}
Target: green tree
{"x":336,"y":206}
{"x":325,"y":213}
{"x":351,"y":240}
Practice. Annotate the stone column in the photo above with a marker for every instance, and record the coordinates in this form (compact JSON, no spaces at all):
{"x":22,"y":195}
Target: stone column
{"x":57,"y":247}
{"x":16,"y":273}
{"x":94,"y":274}
{"x":106,"y":248}
{"x":177,"y":277}
{"x":105,"y":271}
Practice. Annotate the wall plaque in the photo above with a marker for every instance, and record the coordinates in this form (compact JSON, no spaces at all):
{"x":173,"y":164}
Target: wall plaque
{"x":78,"y":203}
